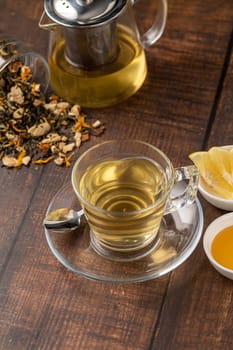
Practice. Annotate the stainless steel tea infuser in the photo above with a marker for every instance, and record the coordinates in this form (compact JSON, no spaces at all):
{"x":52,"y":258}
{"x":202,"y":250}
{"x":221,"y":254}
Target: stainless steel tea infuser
{"x":98,"y":39}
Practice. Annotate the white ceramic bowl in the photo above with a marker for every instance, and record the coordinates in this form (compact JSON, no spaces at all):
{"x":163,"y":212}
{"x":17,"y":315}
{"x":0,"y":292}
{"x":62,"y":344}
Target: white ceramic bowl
{"x":212,"y":230}
{"x":218,"y":202}
{"x":221,"y":203}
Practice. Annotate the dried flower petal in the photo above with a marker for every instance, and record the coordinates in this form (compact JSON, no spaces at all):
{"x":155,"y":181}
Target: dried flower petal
{"x":35,"y":89}
{"x":68,"y":148}
{"x":15,"y":66}
{"x":39,"y":130}
{"x":33,"y":128}
{"x":80,"y":124}
{"x":10,"y":162}
{"x":18,"y":113}
{"x":75,"y":110}
{"x":96,"y":124}
{"x":51,"y":106}
{"x":52,"y":138}
{"x":26,"y":160}
{"x":43,"y":161}
{"x":25,"y":73}
{"x":16,"y":95}
{"x":59,"y":161}
{"x":61,"y":107}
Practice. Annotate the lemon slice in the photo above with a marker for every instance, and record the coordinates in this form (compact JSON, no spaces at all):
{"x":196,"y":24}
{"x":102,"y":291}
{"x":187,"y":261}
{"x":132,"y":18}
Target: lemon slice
{"x":216,"y":170}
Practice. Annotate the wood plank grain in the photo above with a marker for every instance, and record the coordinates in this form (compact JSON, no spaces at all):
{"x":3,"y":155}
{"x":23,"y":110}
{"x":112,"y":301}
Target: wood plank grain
{"x":16,"y":194}
{"x":221,"y":131}
{"x":194,"y":320}
{"x":44,"y":306}
{"x":20,"y":19}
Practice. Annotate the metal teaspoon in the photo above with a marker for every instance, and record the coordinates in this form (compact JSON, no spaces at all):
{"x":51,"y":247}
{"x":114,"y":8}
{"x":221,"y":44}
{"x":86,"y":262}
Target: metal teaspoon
{"x":62,"y":219}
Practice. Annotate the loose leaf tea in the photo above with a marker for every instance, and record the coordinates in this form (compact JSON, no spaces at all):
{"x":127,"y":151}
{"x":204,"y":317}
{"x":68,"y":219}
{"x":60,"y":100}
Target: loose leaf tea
{"x":36,"y":129}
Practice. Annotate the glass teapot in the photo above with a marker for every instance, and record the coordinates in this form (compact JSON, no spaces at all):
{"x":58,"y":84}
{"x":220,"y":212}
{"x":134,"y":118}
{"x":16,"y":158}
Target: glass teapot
{"x":96,"y":54}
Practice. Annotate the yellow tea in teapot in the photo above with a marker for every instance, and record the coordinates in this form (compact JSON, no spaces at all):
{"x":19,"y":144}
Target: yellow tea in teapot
{"x":103,"y":86}
{"x":96,"y":49}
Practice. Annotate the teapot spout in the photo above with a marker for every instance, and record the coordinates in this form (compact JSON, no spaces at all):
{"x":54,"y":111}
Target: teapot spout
{"x":46,"y":23}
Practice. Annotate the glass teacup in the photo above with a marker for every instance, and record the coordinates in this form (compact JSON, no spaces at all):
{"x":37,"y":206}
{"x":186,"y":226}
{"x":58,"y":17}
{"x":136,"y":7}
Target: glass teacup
{"x":125,"y":189}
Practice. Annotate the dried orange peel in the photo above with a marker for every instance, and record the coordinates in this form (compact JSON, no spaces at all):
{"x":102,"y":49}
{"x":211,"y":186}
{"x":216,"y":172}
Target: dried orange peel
{"x":35,"y":128}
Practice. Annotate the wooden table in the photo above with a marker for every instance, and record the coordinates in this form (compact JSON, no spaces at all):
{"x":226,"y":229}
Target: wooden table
{"x":186,"y":104}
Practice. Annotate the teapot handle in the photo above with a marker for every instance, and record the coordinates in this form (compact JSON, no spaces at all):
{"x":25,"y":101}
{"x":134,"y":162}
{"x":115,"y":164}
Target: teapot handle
{"x":156,"y":30}
{"x":46,"y":23}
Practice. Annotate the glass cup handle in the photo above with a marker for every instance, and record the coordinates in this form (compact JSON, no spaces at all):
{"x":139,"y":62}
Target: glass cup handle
{"x":183,"y":194}
{"x":156,"y":30}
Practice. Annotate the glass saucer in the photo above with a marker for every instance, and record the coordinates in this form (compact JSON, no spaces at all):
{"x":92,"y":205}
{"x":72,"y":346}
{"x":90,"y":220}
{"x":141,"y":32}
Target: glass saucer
{"x":179,"y":235}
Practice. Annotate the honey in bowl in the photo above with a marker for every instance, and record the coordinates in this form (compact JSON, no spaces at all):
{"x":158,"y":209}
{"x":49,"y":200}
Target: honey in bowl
{"x":222,"y":247}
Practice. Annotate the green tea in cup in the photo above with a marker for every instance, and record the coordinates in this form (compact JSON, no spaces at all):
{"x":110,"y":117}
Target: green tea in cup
{"x":124,"y":187}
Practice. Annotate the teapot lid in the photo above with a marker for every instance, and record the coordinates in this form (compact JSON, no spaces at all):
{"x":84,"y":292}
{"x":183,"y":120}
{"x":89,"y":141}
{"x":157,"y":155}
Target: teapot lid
{"x":75,"y":13}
